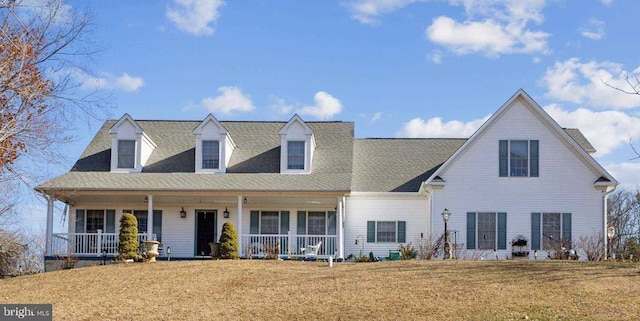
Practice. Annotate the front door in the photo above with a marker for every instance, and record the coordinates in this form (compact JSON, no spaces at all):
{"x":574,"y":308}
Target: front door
{"x":205,"y":231}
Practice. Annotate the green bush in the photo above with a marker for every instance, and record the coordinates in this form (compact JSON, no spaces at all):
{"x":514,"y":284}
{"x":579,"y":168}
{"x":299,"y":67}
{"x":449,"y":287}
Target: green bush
{"x":229,"y":242}
{"x":128,"y":246}
{"x":631,"y":249}
{"x":407,"y":252}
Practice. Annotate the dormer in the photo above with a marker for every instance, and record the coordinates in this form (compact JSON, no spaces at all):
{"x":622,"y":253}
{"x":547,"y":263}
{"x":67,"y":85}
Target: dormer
{"x":130,"y":146}
{"x":213,"y":146}
{"x":297,"y":144}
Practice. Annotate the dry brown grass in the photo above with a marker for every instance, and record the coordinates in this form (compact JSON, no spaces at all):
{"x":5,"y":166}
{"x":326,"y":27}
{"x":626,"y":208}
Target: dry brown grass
{"x":406,"y":290}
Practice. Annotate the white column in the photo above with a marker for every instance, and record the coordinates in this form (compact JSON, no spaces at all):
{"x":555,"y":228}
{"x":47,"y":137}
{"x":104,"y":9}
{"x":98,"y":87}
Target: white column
{"x":149,"y":217}
{"x":340,"y":228}
{"x":49,"y":232}
{"x":239,"y":226}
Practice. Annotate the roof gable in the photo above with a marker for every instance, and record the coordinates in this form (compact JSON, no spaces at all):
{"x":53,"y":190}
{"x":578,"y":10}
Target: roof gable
{"x":545,"y":119}
{"x":124,"y":121}
{"x":208,"y":121}
{"x":296,"y":120}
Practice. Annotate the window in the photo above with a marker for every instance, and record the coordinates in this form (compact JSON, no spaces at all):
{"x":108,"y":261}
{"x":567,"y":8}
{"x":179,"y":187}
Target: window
{"x":210,"y":154}
{"x":142,"y":220}
{"x":126,"y":153}
{"x":316,"y":223}
{"x":90,"y":221}
{"x":518,"y":158}
{"x":386,"y":231}
{"x":95,"y":221}
{"x":269,"y":223}
{"x":295,"y":155}
{"x":486,"y":230}
{"x":550,"y":231}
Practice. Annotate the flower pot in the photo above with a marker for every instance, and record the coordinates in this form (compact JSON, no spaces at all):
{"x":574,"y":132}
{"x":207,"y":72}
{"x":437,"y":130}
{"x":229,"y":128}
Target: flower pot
{"x":215,"y":249}
{"x":152,"y":250}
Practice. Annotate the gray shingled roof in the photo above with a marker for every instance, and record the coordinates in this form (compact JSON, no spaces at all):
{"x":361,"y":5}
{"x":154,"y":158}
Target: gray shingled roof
{"x":398,"y":165}
{"x":254,"y":164}
{"x":341,"y":163}
{"x":576,"y":134}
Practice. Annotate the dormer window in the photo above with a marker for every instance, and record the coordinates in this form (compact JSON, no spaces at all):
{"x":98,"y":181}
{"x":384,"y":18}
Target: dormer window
{"x":295,"y":154}
{"x":130,"y":146}
{"x":297,"y":143}
{"x":126,"y":153}
{"x":213,"y":146}
{"x":210,"y":154}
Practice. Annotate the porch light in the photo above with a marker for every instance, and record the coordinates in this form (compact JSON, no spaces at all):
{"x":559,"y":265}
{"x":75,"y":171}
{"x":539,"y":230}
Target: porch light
{"x":183,"y":213}
{"x":226,"y":212}
{"x":245,"y":200}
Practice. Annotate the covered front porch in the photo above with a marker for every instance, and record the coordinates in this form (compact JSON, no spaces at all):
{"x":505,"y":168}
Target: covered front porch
{"x":286,"y":225}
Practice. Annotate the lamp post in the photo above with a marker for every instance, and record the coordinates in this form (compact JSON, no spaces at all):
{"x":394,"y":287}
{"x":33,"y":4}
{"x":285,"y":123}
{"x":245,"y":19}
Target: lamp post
{"x":611,"y":232}
{"x":447,"y":246}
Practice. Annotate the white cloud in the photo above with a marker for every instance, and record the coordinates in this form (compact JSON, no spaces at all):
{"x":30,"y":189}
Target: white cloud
{"x":605,"y":130}
{"x":128,"y":83}
{"x":369,"y":11}
{"x":195,"y":16}
{"x":585,"y":83}
{"x":124,"y":82}
{"x":279,"y":105}
{"x":606,"y":2}
{"x":326,"y":106}
{"x":434,"y":128}
{"x":230,"y":99}
{"x":435,"y":56}
{"x":377,"y":116}
{"x":595,"y":31}
{"x":627,"y":174}
{"x":494,"y":27}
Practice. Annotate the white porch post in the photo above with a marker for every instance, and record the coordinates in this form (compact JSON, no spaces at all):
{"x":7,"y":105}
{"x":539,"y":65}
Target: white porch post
{"x":49,"y":223}
{"x":239,"y":226}
{"x":149,"y":216}
{"x":340,"y":228}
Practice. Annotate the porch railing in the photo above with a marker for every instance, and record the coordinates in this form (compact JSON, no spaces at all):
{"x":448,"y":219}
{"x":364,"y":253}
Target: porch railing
{"x":87,"y":243}
{"x":261,"y":245}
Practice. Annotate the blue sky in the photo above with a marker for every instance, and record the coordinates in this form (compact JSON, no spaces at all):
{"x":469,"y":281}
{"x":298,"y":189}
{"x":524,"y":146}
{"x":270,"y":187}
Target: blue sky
{"x":397,"y":68}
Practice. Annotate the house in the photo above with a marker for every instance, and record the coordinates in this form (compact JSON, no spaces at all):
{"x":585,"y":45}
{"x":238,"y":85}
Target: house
{"x":288,"y":185}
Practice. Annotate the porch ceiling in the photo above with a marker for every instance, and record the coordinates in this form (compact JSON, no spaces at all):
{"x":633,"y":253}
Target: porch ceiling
{"x":188,"y":200}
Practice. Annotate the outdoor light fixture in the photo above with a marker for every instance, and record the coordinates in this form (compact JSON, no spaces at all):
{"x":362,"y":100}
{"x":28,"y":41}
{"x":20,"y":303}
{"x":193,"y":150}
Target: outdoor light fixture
{"x":447,"y":246}
{"x":183,"y":214}
{"x":245,"y":200}
{"x":226,"y":212}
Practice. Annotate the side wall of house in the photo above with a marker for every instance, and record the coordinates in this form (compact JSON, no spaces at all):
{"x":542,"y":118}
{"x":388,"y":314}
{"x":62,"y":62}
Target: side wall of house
{"x":363,"y":207}
{"x":565,"y":185}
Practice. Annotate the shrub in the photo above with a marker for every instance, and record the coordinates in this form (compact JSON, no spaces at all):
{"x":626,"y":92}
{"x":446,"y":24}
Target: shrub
{"x":407,"y":251}
{"x":592,"y":246}
{"x":128,"y":246}
{"x":632,"y":249}
{"x":229,"y":241}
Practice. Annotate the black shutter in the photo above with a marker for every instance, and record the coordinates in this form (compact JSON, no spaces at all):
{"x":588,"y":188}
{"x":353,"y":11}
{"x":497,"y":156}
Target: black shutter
{"x":535,"y":231}
{"x":502,"y":231}
{"x":503,"y":155}
{"x":534,"y":158}
{"x":471,"y":230}
{"x":371,"y":231}
{"x":402,"y":231}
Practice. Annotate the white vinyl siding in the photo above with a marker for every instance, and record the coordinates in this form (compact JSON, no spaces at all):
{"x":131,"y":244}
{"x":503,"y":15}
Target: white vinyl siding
{"x":565,"y":184}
